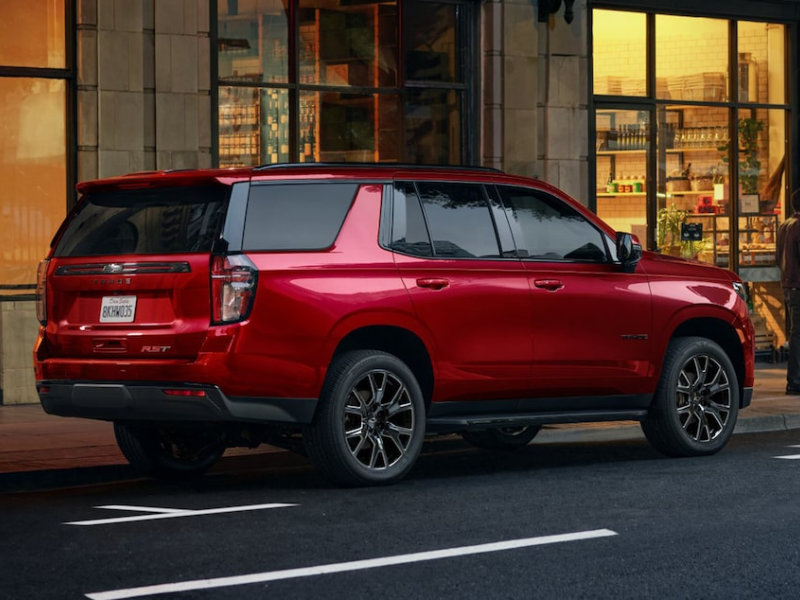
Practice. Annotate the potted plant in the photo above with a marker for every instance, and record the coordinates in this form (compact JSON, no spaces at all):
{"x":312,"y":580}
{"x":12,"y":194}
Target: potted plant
{"x":668,"y":234}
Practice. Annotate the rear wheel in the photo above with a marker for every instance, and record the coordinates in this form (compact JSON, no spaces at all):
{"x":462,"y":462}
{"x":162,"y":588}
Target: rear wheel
{"x":697,"y":400}
{"x":370,"y":424}
{"x":503,"y":438}
{"x":169,"y":452}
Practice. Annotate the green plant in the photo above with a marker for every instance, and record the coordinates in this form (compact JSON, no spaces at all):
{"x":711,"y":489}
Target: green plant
{"x":668,"y":233}
{"x":668,"y":226}
{"x":749,"y":165}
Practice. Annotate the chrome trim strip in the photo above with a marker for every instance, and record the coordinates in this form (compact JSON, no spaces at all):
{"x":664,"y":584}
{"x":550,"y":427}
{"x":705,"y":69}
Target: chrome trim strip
{"x":131,"y":268}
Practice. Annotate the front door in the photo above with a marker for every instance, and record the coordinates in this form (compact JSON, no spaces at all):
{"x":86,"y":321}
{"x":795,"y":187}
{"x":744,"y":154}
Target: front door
{"x":591,"y":322}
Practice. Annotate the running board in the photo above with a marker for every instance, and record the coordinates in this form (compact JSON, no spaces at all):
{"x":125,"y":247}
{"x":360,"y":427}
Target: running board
{"x":454,"y":423}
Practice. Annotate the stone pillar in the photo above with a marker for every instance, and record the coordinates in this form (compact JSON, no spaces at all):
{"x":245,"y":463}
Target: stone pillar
{"x":521,"y":82}
{"x":18,"y":328}
{"x":144,"y":86}
{"x":564,"y":97}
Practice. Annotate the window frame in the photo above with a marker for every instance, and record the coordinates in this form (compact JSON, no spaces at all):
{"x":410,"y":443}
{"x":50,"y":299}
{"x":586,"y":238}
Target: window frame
{"x":466,"y":88}
{"x":716,"y":10}
{"x":68,"y":74}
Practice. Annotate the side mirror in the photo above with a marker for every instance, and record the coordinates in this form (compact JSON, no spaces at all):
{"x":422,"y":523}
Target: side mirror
{"x":629,"y":251}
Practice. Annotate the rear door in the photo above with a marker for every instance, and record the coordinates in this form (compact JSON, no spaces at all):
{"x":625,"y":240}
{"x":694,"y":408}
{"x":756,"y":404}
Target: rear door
{"x":467,"y":286}
{"x":129,"y":277}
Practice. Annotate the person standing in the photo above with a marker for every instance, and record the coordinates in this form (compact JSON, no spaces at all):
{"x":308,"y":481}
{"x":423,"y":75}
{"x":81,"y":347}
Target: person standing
{"x":788,"y":256}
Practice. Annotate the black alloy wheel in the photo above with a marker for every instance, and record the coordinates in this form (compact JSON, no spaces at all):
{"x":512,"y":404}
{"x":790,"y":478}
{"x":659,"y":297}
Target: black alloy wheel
{"x":696,"y":405}
{"x":370,"y":424}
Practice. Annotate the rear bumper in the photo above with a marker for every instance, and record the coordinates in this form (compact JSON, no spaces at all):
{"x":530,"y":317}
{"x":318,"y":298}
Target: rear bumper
{"x":150,"y":402}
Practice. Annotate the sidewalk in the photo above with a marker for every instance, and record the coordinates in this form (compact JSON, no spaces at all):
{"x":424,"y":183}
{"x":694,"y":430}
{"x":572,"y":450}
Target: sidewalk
{"x":37,"y":447}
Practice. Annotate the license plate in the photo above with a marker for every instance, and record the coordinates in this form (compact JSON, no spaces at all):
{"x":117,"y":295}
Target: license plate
{"x":118,"y":309}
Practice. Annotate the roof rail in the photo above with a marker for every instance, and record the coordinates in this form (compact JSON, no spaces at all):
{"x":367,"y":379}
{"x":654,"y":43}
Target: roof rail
{"x":387,"y":165}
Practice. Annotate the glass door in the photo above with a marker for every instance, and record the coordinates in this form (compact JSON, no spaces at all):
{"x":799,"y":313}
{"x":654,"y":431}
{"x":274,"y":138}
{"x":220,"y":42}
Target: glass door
{"x":624,"y":183}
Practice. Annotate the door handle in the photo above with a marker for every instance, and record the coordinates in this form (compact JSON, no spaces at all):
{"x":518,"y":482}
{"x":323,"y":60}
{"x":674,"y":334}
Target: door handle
{"x":549,"y":284}
{"x":433,"y":283}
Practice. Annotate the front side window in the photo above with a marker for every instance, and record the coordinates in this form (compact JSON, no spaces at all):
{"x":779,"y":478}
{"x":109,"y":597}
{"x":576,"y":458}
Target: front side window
{"x":547,"y":229}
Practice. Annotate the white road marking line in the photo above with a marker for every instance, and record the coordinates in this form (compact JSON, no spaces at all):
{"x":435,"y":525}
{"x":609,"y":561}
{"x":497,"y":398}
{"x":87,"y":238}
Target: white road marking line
{"x":173,"y":514}
{"x":356,"y":565}
{"x":142,"y":508}
{"x":789,"y":457}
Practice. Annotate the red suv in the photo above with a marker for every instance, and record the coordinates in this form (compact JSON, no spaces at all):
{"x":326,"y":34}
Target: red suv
{"x":349,"y":310}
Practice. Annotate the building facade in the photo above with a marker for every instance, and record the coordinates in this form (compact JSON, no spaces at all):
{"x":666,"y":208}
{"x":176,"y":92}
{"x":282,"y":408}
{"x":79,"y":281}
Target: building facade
{"x":654,"y":114}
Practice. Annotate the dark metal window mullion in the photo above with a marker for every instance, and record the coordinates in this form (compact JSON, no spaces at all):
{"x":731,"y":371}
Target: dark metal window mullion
{"x":294,"y":80}
{"x":733,"y":145}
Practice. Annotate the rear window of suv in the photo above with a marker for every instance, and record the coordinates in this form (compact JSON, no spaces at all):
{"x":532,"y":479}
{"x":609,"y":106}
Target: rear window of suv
{"x":145,"y":221}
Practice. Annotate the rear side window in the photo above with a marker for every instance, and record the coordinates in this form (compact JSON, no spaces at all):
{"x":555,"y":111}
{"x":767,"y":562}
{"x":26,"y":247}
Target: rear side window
{"x":145,"y":221}
{"x":296,"y":216}
{"x":546,"y":228}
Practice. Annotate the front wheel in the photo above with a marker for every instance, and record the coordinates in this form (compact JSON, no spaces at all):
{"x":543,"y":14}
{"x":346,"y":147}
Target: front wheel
{"x":169,"y":452}
{"x":370,"y":424}
{"x":504,"y":438}
{"x":697,"y":400}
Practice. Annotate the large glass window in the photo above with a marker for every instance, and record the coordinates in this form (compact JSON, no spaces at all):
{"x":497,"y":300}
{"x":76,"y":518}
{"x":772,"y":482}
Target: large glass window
{"x":695,"y":167}
{"x":312,"y":80}
{"x":33,"y":136}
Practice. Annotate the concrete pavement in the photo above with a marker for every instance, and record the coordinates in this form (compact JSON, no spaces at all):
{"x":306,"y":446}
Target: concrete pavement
{"x":39,"y":450}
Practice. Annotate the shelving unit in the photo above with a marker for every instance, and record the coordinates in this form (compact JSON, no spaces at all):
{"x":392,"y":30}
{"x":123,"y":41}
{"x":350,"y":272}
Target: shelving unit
{"x":756,"y":238}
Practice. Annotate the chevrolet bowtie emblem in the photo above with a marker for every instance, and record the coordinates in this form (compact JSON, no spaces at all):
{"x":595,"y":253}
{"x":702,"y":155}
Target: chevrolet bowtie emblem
{"x":112,"y":268}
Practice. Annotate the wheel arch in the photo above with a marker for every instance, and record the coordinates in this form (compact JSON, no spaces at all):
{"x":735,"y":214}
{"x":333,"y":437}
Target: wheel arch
{"x":398,"y":341}
{"x":725,"y":335}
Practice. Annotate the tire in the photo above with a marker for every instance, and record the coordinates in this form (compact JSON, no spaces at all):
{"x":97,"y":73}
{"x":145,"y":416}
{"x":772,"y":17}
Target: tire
{"x":505,"y":439}
{"x":169,"y":452}
{"x":697,"y":400}
{"x":370,"y":423}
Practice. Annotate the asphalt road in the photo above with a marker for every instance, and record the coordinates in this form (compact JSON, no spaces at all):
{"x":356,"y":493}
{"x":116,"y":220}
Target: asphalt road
{"x":610,"y":520}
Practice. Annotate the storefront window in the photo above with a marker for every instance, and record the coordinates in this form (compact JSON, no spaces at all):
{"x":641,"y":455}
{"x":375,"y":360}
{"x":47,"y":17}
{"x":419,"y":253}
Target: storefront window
{"x":620,"y":53}
{"x":32,"y":34}
{"x":713,"y":181}
{"x":341,"y":98}
{"x":33,"y":137}
{"x":692,"y":59}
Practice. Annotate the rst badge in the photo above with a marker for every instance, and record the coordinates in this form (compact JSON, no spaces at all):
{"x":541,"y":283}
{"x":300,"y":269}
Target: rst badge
{"x":118,"y":309}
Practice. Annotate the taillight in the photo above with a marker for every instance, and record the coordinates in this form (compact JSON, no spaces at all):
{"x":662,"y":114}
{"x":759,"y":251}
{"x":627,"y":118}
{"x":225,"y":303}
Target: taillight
{"x":41,"y":292}
{"x":233,"y":287}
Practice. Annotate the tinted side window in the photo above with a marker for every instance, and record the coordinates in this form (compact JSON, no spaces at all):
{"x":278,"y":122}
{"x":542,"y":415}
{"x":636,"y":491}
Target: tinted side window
{"x":145,"y":221}
{"x":548,"y":229}
{"x":298,"y":216}
{"x":459,"y":220}
{"x":409,"y":233}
